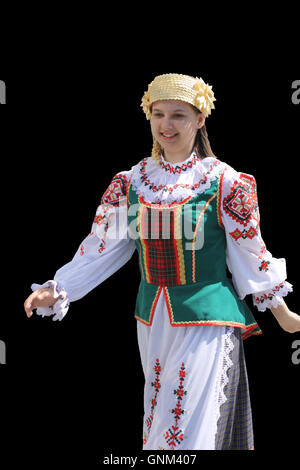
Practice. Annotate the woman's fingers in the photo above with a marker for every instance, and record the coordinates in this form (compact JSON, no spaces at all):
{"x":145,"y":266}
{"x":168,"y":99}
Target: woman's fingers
{"x":28,"y":306}
{"x":43,"y":297}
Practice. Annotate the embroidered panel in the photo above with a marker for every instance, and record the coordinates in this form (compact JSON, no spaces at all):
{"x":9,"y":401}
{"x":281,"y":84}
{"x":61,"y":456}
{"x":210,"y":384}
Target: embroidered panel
{"x":241,"y":204}
{"x":175,"y":435}
{"x":156,"y":384}
{"x":177,"y":168}
{"x":250,"y":233}
{"x":115,"y":190}
{"x":154,"y":187}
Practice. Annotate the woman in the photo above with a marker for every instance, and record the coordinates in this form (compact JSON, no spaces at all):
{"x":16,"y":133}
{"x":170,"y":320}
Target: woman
{"x":190,"y":216}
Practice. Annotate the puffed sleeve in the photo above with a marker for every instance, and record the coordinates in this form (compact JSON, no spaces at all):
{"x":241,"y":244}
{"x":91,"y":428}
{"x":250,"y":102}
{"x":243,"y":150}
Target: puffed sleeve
{"x":254,"y":270}
{"x":105,"y":250}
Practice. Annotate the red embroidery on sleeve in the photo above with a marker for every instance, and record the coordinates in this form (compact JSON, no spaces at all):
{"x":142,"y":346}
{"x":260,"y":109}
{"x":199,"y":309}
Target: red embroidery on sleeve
{"x":115,"y":190}
{"x":241,"y":204}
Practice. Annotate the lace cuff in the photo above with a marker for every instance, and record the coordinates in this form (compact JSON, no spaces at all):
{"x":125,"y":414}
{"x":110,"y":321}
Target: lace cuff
{"x":61,"y":306}
{"x":271,"y":297}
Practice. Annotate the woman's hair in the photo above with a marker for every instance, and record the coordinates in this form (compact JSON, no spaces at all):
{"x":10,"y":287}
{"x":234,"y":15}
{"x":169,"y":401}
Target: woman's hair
{"x":202,"y":144}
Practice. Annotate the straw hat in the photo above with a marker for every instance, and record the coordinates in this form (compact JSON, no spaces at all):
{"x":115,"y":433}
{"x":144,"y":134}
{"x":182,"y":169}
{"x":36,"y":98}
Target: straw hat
{"x":173,"y":86}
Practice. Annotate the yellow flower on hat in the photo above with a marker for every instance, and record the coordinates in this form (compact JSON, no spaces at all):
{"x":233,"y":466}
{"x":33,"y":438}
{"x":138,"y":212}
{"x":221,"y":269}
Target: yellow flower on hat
{"x":205,"y":97}
{"x":146,"y":104}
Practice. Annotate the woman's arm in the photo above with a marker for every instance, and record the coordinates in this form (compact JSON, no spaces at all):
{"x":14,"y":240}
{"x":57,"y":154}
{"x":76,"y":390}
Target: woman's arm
{"x":105,"y":250}
{"x":254,"y":269}
{"x":288,"y":320}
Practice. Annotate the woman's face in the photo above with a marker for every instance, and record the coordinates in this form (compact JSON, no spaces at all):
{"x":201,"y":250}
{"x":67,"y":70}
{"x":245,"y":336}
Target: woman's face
{"x":174,"y":124}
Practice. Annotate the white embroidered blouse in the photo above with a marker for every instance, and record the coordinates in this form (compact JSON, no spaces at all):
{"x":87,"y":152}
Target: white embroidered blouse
{"x":254,"y":270}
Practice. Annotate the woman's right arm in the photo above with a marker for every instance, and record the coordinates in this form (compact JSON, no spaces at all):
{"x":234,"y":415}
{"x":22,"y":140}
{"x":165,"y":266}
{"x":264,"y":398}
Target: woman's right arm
{"x":105,"y":250}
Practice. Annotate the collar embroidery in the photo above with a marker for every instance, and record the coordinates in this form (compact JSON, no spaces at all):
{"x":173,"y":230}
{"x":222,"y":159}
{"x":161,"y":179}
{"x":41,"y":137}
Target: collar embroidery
{"x":170,"y":188}
{"x":174,"y":168}
{"x":175,"y":182}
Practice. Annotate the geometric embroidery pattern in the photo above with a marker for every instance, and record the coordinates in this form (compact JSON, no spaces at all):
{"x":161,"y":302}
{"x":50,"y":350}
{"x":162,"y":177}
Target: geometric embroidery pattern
{"x":170,"y":188}
{"x":115,"y":190}
{"x":101,"y":219}
{"x":174,"y":435}
{"x":236,"y":234}
{"x":179,"y":168}
{"x":241,"y":204}
{"x":156,"y":385}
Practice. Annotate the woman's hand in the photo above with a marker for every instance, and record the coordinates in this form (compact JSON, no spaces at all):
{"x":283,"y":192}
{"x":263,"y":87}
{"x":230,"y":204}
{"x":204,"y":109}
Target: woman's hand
{"x":43,"y":297}
{"x":289,"y":321}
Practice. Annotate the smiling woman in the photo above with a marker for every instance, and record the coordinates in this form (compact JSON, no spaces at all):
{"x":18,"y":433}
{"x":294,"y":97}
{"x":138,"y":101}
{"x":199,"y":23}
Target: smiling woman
{"x":183,"y":127}
{"x":191,"y":316}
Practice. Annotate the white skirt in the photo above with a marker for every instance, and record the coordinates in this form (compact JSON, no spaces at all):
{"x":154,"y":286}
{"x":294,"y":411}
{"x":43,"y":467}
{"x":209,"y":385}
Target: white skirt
{"x":196,"y":390}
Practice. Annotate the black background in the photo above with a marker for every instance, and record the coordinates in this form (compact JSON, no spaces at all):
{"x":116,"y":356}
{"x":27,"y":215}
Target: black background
{"x":72,"y":391}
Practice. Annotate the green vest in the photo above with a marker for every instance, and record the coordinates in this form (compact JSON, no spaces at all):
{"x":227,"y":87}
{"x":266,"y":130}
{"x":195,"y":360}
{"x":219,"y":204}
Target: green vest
{"x":182,"y":251}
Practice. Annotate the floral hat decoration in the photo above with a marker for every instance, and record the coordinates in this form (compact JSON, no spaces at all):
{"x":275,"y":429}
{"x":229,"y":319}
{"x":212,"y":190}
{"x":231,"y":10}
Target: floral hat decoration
{"x":173,"y":86}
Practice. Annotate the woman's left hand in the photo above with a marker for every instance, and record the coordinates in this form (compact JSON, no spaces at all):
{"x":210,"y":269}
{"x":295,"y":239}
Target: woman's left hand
{"x":289,"y":321}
